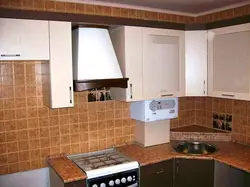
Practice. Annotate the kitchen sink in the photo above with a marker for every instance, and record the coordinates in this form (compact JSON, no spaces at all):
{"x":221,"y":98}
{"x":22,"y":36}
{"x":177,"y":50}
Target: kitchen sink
{"x":194,"y":148}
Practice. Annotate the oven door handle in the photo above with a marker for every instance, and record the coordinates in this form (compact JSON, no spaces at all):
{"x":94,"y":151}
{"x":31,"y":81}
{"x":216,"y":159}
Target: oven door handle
{"x":133,"y":185}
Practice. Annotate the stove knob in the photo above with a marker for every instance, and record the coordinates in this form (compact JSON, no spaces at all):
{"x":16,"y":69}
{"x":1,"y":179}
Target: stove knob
{"x":123,"y":180}
{"x":117,"y":181}
{"x":95,"y":185}
{"x":103,"y":185}
{"x":129,"y":178}
{"x":111,"y":183}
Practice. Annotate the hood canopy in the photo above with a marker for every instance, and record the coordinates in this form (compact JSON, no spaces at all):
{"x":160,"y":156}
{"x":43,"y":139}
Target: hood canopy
{"x":94,"y":60}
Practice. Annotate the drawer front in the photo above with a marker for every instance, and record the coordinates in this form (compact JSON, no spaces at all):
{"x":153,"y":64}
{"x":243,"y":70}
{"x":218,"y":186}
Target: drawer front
{"x":80,"y":183}
{"x":160,"y":174}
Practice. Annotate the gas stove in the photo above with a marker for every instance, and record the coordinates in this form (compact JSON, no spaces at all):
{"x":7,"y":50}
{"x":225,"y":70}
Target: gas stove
{"x":108,"y":168}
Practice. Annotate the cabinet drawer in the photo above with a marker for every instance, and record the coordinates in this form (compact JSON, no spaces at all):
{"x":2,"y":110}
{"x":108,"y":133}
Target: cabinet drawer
{"x":156,"y":169}
{"x":81,"y":183}
{"x":160,"y":174}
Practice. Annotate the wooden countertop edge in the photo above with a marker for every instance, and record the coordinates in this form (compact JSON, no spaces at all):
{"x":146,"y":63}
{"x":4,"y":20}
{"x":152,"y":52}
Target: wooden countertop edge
{"x":198,"y":158}
{"x":83,"y":176}
{"x":218,"y":156}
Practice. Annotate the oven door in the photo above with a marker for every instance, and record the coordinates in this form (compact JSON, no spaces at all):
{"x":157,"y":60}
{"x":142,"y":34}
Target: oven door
{"x":136,"y":184}
{"x":123,"y":179}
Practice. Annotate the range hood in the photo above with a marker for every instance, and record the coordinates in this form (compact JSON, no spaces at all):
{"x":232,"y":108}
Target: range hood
{"x":95,"y":63}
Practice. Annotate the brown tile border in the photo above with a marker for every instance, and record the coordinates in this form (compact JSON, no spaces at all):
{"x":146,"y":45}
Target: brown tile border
{"x":93,"y":19}
{"x":88,"y":9}
{"x":126,"y":20}
{"x":199,"y":136}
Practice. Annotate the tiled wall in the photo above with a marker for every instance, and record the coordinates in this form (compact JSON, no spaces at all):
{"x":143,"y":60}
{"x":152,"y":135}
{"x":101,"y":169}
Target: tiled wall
{"x":205,"y":107}
{"x":186,"y":115}
{"x":80,"y":8}
{"x":29,"y":131}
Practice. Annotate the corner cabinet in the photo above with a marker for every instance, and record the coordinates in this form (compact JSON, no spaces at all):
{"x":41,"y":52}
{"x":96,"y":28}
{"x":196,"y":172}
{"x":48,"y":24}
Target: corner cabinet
{"x":196,"y":63}
{"x":229,"y":62}
{"x":18,"y":38}
{"x":194,"y":173}
{"x":57,"y":73}
{"x":227,"y":176}
{"x":152,"y":59}
{"x":163,"y":63}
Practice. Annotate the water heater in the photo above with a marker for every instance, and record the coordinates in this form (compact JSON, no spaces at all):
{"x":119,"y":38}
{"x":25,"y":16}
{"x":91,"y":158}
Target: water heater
{"x":152,"y":120}
{"x":153,"y":110}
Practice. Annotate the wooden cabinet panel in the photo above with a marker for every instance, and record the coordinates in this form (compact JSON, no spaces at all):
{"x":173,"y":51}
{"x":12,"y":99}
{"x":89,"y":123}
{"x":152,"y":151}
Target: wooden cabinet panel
{"x":152,"y":59}
{"x":127,"y":44}
{"x":228,"y":62}
{"x":81,"y":183}
{"x":196,"y":63}
{"x":221,"y":175}
{"x":24,"y":39}
{"x":194,"y":173}
{"x":58,"y":85}
{"x":247,"y":179}
{"x":163,"y":63}
{"x":227,"y":176}
{"x":160,"y":174}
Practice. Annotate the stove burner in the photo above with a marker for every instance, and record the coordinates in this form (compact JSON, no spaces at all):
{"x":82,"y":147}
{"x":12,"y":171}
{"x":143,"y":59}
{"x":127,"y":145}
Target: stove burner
{"x":99,"y":159}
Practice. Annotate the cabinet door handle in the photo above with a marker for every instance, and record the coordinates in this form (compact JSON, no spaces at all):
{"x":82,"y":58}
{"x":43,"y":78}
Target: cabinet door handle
{"x":204,"y":84}
{"x":228,"y":95}
{"x":177,"y":168}
{"x":167,"y":95}
{"x":160,"y":172}
{"x":10,"y":55}
{"x":131,"y":91}
{"x":70,"y":94}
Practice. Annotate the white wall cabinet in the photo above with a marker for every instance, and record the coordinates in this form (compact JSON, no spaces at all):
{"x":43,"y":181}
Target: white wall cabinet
{"x":24,"y":39}
{"x":127,"y":42}
{"x":152,"y":59}
{"x":229,"y":62}
{"x":163,"y":63}
{"x":196,"y":63}
{"x":58,"y":90}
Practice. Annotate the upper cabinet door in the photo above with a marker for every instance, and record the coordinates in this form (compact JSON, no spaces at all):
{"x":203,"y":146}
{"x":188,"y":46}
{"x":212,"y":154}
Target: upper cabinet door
{"x":196,"y":63}
{"x":229,"y":62}
{"x":24,"y":39}
{"x":127,"y":42}
{"x":58,"y":90}
{"x":163,"y":63}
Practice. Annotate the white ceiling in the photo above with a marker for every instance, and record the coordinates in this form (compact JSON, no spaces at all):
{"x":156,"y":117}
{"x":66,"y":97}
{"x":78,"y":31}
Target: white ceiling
{"x":185,"y":6}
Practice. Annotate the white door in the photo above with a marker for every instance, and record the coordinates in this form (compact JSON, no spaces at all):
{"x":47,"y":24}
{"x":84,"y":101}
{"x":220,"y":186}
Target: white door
{"x":196,"y":63}
{"x":61,"y":76}
{"x":229,"y":62}
{"x":127,"y":42}
{"x":163,"y":63}
{"x":24,"y":39}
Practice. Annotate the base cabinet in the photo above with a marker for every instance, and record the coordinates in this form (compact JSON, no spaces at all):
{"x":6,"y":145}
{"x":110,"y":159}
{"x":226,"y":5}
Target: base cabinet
{"x":160,"y":174}
{"x":227,"y":176}
{"x":194,"y":173}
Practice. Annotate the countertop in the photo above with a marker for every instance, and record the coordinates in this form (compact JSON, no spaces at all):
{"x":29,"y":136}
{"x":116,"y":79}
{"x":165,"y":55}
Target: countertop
{"x":229,"y":153}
